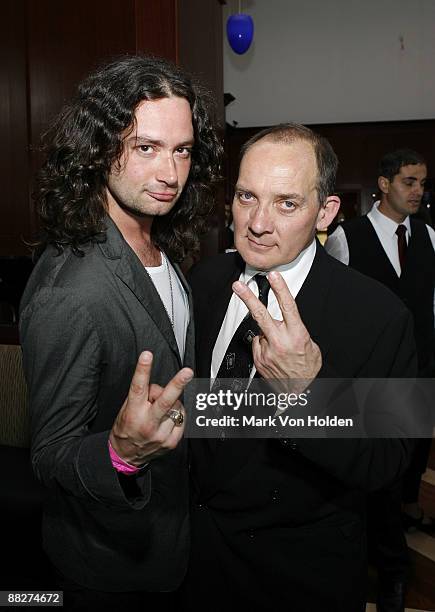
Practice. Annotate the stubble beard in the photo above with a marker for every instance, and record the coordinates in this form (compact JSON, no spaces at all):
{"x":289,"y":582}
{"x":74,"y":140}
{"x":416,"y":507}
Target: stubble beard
{"x":133,"y":205}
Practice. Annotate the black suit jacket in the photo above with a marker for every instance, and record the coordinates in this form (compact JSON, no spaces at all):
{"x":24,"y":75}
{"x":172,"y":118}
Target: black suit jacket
{"x":84,"y":322}
{"x":281,"y":521}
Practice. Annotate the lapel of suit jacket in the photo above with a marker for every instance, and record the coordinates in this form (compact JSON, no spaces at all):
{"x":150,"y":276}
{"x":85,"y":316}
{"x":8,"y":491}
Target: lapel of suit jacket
{"x":133,"y":274}
{"x":312,"y":297}
{"x":189,"y":349}
{"x":213,"y":458}
{"x":213,"y":313}
{"x":382,"y":259}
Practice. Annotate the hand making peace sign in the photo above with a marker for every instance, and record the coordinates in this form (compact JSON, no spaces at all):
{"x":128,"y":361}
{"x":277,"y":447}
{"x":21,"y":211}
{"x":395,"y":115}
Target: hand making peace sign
{"x":285,"y":350}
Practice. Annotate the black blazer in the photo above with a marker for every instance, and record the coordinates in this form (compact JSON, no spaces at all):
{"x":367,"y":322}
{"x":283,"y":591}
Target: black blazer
{"x":84,"y":321}
{"x":281,"y":521}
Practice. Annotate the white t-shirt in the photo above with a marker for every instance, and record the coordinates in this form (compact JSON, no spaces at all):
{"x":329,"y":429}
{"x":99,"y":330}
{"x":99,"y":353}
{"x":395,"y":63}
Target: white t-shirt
{"x":163,"y":277}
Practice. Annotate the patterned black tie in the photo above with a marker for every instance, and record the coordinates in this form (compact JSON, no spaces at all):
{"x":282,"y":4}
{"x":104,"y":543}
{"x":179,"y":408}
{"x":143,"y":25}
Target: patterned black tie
{"x":237,"y":362}
{"x":402,"y":245}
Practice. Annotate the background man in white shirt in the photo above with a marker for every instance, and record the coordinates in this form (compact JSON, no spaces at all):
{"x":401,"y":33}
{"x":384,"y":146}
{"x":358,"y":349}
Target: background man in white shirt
{"x":388,"y":244}
{"x":402,"y":175}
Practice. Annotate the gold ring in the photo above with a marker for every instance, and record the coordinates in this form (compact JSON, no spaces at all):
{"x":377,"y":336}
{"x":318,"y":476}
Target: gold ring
{"x":176,"y":416}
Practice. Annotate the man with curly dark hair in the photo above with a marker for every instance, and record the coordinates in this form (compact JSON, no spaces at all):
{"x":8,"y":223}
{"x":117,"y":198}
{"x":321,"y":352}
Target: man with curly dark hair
{"x":123,"y":193}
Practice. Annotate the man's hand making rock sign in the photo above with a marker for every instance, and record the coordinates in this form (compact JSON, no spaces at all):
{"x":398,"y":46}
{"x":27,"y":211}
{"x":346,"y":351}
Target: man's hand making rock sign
{"x":285,"y":349}
{"x":151,"y":420}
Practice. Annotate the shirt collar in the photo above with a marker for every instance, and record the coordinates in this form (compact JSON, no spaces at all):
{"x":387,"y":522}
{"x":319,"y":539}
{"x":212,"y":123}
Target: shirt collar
{"x":385,"y":223}
{"x":294,"y":272}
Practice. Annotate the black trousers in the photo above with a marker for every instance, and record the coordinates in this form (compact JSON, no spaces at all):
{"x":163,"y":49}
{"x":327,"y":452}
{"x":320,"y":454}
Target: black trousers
{"x":388,"y":550}
{"x":417,"y":467}
{"x":78,"y":598}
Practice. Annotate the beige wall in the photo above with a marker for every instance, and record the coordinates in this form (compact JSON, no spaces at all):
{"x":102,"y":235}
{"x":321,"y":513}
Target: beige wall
{"x":327,"y":61}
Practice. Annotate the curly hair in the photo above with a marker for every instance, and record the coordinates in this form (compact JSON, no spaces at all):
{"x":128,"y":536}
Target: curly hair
{"x":86,"y":139}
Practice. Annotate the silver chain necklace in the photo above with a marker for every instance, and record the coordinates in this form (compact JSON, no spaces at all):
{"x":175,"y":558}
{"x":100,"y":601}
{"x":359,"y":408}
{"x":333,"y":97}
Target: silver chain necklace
{"x":171,"y":316}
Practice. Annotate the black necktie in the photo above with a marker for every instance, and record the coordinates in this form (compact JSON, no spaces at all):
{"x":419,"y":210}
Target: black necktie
{"x":401,"y":244}
{"x":237,"y":362}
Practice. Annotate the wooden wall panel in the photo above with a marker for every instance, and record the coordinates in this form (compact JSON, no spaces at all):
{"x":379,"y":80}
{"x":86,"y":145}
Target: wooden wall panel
{"x":48,"y":46}
{"x":200,"y":45}
{"x":66,"y":40}
{"x":156,"y":28}
{"x":200,"y":51}
{"x":14,"y":170}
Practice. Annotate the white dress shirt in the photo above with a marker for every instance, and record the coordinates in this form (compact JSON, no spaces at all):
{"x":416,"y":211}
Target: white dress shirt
{"x":294,"y":274}
{"x":385,"y":228}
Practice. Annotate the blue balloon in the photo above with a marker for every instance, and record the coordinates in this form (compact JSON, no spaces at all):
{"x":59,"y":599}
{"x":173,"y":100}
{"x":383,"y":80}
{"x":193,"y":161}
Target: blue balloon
{"x":240,"y":32}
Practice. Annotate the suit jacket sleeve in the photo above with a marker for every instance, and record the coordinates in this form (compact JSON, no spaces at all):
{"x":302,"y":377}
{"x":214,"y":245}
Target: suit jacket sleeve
{"x":63,"y":358}
{"x":372,"y":463}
